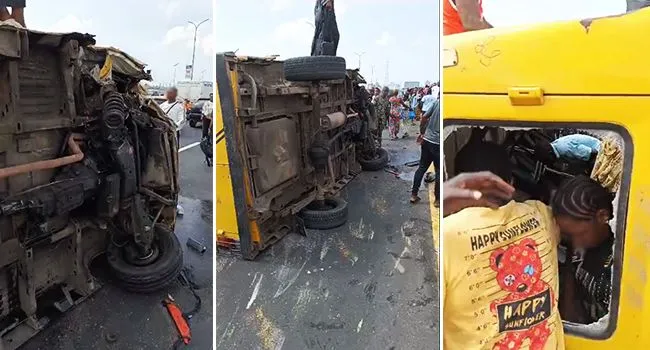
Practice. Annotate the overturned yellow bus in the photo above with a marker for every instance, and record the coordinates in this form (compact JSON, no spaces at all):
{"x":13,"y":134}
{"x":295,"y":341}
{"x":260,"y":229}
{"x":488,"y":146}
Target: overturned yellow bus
{"x":290,"y":135}
{"x":521,"y":86}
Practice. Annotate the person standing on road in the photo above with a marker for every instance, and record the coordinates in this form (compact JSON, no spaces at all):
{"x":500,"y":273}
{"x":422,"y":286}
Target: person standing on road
{"x":187,"y":105}
{"x":429,"y":140}
{"x":175,"y":111}
{"x":415,"y":101}
{"x":460,"y":16}
{"x":206,"y":112}
{"x":418,"y":105}
{"x":435,"y":90}
{"x":501,"y":281}
{"x":427,"y":101}
{"x":376,"y":94}
{"x":396,"y":107}
{"x":17,"y":11}
{"x":382,"y":108}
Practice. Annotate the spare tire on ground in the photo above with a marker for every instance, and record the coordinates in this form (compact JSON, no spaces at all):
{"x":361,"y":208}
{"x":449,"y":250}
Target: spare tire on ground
{"x":376,"y":163}
{"x":150,"y":273}
{"x":330,"y":213}
{"x":313,"y":68}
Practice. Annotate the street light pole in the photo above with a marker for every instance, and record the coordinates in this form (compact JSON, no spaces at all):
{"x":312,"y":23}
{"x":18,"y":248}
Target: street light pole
{"x":196,"y":29}
{"x":174,"y":79}
{"x":359,"y":55}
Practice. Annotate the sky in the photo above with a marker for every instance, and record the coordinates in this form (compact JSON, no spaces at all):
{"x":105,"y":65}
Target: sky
{"x":154,"y":32}
{"x":402,"y":34}
{"x":502,"y":13}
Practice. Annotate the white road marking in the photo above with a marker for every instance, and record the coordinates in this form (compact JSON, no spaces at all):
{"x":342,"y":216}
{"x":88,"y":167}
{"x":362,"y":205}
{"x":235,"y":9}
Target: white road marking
{"x":398,"y":262}
{"x":191,"y":145}
{"x":284,"y":284}
{"x":255,"y":291}
{"x":357,"y":232}
{"x":324,"y":250}
{"x":230,"y":329}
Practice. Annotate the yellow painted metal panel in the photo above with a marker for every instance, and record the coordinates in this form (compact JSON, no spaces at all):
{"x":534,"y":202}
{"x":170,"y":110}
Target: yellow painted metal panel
{"x":601,"y":56}
{"x":253,"y":226}
{"x":226,"y":217}
{"x":626,"y":111}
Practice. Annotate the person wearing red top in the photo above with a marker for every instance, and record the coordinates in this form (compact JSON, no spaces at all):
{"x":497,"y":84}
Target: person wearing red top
{"x":460,"y":16}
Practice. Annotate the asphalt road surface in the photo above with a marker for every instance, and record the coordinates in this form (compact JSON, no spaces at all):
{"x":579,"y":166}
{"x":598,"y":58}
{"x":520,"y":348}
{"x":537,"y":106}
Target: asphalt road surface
{"x":371,"y":284}
{"x":113,"y":319}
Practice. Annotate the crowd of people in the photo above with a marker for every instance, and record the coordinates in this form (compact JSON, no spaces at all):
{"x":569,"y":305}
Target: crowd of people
{"x":394,"y":107}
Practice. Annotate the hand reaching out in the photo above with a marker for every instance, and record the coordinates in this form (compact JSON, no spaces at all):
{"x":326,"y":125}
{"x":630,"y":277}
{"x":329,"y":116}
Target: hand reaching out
{"x":474,"y":190}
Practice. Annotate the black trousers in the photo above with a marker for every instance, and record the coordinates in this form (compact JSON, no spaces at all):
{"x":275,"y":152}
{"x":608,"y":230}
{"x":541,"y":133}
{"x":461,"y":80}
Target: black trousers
{"x":430,"y":154}
{"x":13,"y":3}
{"x":326,"y":32}
{"x":205,"y":124}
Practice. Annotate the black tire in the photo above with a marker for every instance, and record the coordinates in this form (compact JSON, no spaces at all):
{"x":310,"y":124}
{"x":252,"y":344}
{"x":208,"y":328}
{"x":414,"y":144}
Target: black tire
{"x":334,"y":215}
{"x":313,"y":68}
{"x":377,"y":163}
{"x":193,"y":123}
{"x":152,"y":277}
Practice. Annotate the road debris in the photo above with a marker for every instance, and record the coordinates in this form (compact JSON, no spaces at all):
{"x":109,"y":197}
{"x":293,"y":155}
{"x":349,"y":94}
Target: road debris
{"x":392,"y":170}
{"x":196,"y":245}
{"x":182,"y":325}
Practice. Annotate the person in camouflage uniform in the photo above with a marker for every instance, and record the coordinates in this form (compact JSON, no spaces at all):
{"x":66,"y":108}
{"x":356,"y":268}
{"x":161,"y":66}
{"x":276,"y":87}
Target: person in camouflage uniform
{"x":382,"y":108}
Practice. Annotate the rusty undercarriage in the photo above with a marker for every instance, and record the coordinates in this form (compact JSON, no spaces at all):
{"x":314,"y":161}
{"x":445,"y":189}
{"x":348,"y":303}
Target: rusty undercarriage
{"x":87,"y":166}
{"x":304,"y":129}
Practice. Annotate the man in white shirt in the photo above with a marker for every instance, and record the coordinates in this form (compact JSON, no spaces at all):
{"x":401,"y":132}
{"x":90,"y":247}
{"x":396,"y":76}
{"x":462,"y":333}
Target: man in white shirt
{"x":175,"y":111}
{"x":435,"y":90}
{"x":427,"y":102}
{"x":207,"y":115}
